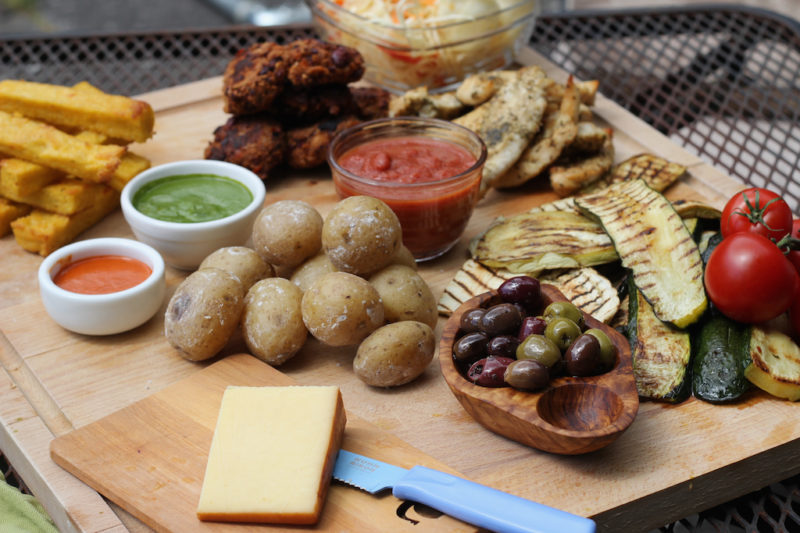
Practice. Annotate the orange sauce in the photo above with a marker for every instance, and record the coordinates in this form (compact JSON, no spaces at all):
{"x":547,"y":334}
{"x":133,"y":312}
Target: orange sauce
{"x":102,"y":274}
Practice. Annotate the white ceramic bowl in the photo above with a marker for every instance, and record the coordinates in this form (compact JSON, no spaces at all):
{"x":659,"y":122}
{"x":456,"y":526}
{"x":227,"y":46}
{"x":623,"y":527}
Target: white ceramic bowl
{"x":185,"y":245}
{"x":102,"y":314}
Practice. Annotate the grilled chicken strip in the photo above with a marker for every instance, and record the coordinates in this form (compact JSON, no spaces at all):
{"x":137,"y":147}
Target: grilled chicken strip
{"x":560,"y":131}
{"x":508,"y":121}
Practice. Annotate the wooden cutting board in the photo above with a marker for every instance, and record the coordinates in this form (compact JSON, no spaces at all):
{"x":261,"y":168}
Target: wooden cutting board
{"x":150,"y":457}
{"x":674,"y":460}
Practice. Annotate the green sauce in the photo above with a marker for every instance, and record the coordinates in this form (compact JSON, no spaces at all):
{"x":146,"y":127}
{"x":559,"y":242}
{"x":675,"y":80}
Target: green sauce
{"x":191,"y":198}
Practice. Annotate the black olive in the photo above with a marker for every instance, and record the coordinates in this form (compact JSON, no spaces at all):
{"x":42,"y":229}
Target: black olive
{"x":471,"y":347}
{"x":523,"y":290}
{"x":489,"y":372}
{"x":471,"y":320}
{"x":503,"y":346}
{"x":501,"y":319}
{"x":582,"y":357}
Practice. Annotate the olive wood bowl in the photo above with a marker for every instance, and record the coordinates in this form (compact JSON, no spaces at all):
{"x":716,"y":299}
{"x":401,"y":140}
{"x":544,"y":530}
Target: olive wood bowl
{"x":572,"y":415}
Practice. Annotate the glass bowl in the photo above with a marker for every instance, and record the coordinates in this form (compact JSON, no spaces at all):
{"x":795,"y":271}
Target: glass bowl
{"x":438,"y":50}
{"x":433,"y":214}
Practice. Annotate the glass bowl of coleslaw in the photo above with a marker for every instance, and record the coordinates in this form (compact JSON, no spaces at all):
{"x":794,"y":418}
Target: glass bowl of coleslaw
{"x":432,"y":43}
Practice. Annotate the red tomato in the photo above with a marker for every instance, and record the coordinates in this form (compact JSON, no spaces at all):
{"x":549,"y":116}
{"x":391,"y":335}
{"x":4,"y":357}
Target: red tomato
{"x":749,"y":279}
{"x":759,"y":211}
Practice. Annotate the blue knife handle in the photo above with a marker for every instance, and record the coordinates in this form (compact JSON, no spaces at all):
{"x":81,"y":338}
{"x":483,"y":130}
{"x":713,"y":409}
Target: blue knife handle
{"x":484,"y":506}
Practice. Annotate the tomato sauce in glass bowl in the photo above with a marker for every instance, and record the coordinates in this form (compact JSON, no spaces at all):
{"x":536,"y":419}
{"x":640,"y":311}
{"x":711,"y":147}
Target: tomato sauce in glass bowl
{"x":428,"y":171}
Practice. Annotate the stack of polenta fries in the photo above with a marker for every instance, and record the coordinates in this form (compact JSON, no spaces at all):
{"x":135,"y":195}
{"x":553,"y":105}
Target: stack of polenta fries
{"x":64,"y":158}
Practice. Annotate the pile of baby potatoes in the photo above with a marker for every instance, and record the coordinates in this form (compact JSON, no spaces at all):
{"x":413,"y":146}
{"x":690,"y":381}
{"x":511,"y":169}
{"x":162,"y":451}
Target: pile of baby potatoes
{"x":346,"y":279}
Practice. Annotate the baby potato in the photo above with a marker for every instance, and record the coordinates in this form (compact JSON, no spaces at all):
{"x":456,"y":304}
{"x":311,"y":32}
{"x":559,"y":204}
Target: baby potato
{"x":310,"y":270}
{"x":203,"y":313}
{"x":361,"y":234}
{"x":340,"y":309}
{"x":272,"y":321}
{"x":403,"y":256}
{"x":287,"y":232}
{"x":242,"y":262}
{"x":395,"y":354}
{"x":405,"y":295}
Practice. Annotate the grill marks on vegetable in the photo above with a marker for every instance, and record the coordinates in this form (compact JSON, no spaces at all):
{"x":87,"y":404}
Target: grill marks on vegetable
{"x":651,"y":240}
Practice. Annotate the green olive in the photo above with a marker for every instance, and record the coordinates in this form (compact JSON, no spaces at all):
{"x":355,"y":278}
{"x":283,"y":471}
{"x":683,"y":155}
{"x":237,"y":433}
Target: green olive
{"x":608,"y":352}
{"x":539,"y":348}
{"x":562,"y":331}
{"x":563,"y":309}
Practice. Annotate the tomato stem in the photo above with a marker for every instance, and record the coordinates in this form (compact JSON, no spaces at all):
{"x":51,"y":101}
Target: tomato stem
{"x":756,"y":212}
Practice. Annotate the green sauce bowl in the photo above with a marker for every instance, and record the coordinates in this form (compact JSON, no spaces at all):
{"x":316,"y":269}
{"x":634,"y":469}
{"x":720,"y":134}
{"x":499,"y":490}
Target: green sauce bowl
{"x":188,"y":209}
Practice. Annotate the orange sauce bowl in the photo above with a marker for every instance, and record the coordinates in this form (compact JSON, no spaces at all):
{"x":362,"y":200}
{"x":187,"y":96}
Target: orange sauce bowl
{"x":108,"y":308}
{"x":433,"y":200}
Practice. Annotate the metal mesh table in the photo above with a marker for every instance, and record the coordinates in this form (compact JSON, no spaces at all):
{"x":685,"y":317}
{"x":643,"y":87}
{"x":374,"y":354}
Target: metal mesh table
{"x":722,"y":81}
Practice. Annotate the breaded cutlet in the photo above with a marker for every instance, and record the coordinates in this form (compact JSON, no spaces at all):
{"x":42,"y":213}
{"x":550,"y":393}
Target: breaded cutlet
{"x":255,"y":142}
{"x":255,"y":77}
{"x":313,"y":62}
{"x":307,"y":147}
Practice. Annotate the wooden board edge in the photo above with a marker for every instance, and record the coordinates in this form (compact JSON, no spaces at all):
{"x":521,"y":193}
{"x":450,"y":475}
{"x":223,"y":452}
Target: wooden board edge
{"x":24,"y":439}
{"x":717,"y":487}
{"x":183,"y":95}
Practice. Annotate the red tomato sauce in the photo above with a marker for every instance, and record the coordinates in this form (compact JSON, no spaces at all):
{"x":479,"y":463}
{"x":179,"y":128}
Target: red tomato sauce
{"x":407,"y":160}
{"x":102,"y":274}
{"x":433,"y":213}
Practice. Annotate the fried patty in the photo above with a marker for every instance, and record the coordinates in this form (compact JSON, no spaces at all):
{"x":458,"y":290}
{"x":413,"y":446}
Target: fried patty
{"x":257,"y":75}
{"x":255,"y":142}
{"x":372,"y":102}
{"x":313,"y":62}
{"x":307,"y":147}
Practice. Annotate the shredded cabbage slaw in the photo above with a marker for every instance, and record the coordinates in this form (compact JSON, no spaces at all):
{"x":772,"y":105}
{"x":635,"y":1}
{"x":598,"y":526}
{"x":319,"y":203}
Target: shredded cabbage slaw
{"x":435,"y":43}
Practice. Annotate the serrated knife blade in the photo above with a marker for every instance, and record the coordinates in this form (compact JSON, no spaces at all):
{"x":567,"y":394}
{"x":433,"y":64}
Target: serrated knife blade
{"x":471,"y":502}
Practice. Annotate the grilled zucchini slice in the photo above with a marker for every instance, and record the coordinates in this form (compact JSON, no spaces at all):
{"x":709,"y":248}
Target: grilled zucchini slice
{"x":721,"y":356}
{"x":657,"y":172}
{"x":535,"y":241}
{"x":661,"y":352}
{"x":653,"y":242}
{"x":775,"y":365}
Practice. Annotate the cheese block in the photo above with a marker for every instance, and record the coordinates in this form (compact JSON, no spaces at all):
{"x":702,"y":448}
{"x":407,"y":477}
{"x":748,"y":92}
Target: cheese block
{"x":272,"y":454}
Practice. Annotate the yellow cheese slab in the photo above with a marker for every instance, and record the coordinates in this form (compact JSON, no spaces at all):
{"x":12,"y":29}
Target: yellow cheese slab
{"x":272,"y":454}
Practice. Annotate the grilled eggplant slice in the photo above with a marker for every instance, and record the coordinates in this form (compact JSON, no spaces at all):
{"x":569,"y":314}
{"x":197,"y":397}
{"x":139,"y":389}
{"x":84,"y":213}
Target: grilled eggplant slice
{"x":592,"y":292}
{"x":661,"y":352}
{"x":585,"y":287}
{"x":696,"y":209}
{"x":652,"y":240}
{"x":775,"y":363}
{"x":563,"y":204}
{"x":470,"y":280}
{"x":657,"y":172}
{"x":535,"y":241}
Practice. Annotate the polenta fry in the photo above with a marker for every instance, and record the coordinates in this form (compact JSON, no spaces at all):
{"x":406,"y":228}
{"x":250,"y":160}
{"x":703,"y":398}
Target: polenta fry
{"x":43,"y":232}
{"x":46,"y":145}
{"x":65,"y":196}
{"x":83,"y":107}
{"x":10,"y":211}
{"x":20,"y":178}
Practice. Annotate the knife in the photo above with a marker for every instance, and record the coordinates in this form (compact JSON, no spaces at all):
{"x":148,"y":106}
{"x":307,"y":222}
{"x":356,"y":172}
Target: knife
{"x":468,"y":501}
